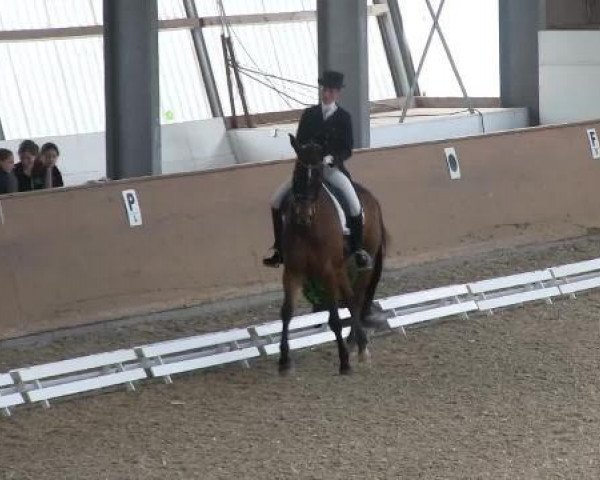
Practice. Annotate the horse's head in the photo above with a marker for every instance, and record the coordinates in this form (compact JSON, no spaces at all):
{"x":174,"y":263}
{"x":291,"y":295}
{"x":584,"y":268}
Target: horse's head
{"x":307,"y":180}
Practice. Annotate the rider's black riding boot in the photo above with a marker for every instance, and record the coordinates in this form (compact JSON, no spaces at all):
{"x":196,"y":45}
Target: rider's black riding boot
{"x":276,"y":259}
{"x":362,"y":257}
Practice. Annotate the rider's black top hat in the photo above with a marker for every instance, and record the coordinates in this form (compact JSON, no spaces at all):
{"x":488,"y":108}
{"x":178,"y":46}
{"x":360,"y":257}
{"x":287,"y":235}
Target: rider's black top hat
{"x":332,"y":79}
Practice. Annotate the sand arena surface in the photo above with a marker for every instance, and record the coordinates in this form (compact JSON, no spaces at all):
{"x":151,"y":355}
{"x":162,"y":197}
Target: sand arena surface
{"x":515,"y":395}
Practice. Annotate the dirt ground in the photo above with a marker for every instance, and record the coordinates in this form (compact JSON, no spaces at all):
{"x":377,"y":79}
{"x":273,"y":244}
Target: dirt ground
{"x":514,"y":396}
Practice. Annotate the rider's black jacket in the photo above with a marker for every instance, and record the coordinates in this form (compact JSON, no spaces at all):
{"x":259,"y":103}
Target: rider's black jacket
{"x":333,"y":134}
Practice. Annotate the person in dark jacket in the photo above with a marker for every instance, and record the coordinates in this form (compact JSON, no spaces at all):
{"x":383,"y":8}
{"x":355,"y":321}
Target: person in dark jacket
{"x":28,"y":154}
{"x":329,"y":125}
{"x":46,"y":172}
{"x":8,"y":181}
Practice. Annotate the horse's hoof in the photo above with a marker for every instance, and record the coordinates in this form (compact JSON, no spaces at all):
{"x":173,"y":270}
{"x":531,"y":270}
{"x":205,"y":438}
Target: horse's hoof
{"x":364,"y":356}
{"x":285,"y":367}
{"x":345,"y":370}
{"x":376,"y":320}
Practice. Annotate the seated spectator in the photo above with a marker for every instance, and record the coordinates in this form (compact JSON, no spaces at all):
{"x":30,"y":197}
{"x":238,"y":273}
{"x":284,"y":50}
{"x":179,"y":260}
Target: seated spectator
{"x":45,"y":172}
{"x":28,"y":153}
{"x":8,"y":181}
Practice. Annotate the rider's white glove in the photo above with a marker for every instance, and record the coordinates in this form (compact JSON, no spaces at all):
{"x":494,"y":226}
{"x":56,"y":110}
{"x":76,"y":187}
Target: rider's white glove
{"x":328,"y":159}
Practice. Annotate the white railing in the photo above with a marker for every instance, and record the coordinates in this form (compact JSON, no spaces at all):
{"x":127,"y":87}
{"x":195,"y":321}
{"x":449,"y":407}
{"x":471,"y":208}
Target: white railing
{"x":42,"y":383}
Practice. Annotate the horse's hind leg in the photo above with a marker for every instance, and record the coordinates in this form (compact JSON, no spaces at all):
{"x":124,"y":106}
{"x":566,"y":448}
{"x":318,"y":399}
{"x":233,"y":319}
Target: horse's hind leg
{"x":354,"y":301}
{"x":336,"y":327}
{"x":366,"y":310}
{"x":291,"y":288}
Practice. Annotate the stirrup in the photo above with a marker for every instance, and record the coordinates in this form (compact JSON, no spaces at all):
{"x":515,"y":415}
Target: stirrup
{"x":274,"y":260}
{"x":363,"y":260}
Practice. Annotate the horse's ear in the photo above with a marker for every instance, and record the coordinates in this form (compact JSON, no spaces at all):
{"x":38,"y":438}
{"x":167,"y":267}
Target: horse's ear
{"x":294,"y":143}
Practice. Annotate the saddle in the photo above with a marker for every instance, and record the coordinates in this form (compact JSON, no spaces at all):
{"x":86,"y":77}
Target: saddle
{"x":338,"y":201}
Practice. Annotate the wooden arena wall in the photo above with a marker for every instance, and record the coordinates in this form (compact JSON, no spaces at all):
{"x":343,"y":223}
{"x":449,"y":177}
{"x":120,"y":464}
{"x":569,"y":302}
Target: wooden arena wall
{"x":70,"y":257}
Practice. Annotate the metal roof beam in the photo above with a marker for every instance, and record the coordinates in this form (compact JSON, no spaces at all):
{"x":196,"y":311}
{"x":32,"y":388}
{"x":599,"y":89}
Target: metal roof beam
{"x":208,"y":78}
{"x":174,"y":24}
{"x":393,"y":51}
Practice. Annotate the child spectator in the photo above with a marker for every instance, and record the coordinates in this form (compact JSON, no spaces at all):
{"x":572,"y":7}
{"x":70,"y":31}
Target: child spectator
{"x":28,"y":153}
{"x":8,"y":181}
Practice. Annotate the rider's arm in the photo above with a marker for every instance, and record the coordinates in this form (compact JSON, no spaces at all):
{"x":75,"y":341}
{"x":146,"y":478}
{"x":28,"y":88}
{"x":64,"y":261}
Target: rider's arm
{"x":303,"y":128}
{"x":346,"y":141}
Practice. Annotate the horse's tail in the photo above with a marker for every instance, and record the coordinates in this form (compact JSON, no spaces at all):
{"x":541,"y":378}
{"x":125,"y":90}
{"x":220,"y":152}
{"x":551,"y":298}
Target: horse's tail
{"x":375,"y":277}
{"x":385,"y":236}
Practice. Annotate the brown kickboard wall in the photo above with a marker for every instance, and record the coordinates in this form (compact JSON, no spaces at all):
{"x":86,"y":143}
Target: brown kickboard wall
{"x":70,"y":257}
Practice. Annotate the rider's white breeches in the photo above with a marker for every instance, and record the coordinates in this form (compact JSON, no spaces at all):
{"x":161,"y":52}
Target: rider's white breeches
{"x":342,"y":183}
{"x":280,"y":194}
{"x":337,"y":180}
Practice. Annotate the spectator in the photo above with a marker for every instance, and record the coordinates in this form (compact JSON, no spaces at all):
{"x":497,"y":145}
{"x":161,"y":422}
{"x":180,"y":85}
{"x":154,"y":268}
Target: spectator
{"x":8,"y":181}
{"x":28,"y":153}
{"x":46,"y":174}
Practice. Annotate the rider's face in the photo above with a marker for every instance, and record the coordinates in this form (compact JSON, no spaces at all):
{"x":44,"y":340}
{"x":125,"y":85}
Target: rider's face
{"x":329,"y":95}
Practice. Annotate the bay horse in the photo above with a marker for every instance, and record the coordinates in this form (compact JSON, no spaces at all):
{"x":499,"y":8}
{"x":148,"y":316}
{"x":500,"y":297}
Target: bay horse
{"x":313,"y":249}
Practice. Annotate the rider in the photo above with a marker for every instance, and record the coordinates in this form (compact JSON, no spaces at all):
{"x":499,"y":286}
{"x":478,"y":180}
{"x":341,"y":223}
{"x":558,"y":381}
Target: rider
{"x":331,"y":126}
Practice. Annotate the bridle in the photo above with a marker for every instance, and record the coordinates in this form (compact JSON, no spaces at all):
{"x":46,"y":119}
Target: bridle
{"x":298,"y":198}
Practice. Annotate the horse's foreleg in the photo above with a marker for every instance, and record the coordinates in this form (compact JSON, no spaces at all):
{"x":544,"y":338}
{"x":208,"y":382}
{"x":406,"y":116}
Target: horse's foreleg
{"x":333,"y":294}
{"x":336,"y":327}
{"x":291,"y":288}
